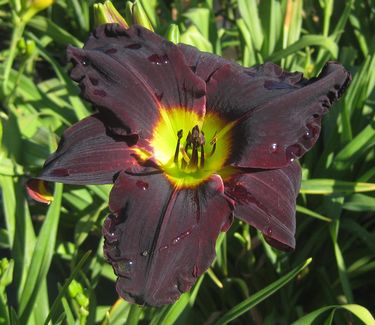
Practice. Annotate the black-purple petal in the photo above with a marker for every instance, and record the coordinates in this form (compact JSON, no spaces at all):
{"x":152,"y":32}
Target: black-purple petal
{"x":159,"y":239}
{"x":87,"y":154}
{"x":278,"y":114}
{"x":132,"y":73}
{"x":267,"y":201}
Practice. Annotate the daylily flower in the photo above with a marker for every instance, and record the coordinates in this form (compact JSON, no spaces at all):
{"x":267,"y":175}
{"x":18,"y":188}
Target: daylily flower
{"x":189,"y":140}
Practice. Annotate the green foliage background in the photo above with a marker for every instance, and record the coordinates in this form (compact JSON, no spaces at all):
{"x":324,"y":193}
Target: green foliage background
{"x":52,"y":267}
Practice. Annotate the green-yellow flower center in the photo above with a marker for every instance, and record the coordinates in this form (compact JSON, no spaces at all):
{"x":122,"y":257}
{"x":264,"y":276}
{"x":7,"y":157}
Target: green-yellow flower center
{"x":188,"y":148}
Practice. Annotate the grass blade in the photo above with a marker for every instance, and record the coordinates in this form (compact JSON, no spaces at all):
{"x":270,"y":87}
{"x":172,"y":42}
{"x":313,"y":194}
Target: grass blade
{"x":361,"y":312}
{"x":332,"y":186}
{"x":54,"y":308}
{"x":255,"y":299}
{"x":305,"y":41}
{"x":42,"y":256}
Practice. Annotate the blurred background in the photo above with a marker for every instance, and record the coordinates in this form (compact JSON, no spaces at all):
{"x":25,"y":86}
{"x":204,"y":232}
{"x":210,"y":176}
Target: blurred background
{"x":51,"y":261}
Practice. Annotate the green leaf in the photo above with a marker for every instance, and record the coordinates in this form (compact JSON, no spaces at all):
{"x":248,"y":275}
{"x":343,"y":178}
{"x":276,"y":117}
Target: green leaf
{"x":42,"y":256}
{"x":360,"y":202}
{"x":311,"y":213}
{"x":332,"y":186}
{"x":173,"y":34}
{"x":249,"y":12}
{"x":134,"y":315}
{"x":361,"y":312}
{"x":192,"y":36}
{"x":54,"y":31}
{"x":305,"y":41}
{"x":355,"y":149}
{"x":200,"y":17}
{"x":53,"y":314}
{"x":258,"y":297}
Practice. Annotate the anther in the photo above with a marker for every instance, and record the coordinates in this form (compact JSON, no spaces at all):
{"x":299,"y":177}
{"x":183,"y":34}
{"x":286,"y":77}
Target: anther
{"x":202,"y":156}
{"x":196,"y":139}
{"x":213,"y":143}
{"x":179,"y":135}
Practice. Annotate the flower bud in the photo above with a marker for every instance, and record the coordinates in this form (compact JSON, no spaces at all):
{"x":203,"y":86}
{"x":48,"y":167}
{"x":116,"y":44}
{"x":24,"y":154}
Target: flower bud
{"x":34,"y":6}
{"x":107,"y":13}
{"x":39,"y":5}
{"x":173,"y":34}
{"x":140,"y":17}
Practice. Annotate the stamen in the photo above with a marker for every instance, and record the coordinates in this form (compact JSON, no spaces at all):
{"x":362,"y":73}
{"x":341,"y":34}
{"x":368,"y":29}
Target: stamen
{"x":196,"y":143}
{"x":213,"y":143}
{"x":202,"y":156}
{"x":179,"y":135}
{"x":187,"y":146}
{"x":185,"y":157}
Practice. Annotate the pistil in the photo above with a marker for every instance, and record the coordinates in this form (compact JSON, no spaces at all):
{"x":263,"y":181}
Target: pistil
{"x":179,"y":136}
{"x":193,"y":156}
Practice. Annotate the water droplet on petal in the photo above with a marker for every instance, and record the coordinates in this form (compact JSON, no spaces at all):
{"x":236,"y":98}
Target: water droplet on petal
{"x":124,"y":267}
{"x":273,"y":147}
{"x":145,"y":253}
{"x":60,"y":172}
{"x":142,"y":185}
{"x":195,"y":271}
{"x":307,"y":135}
{"x":134,"y":46}
{"x":112,"y":251}
{"x":269,"y":231}
{"x":163,"y":248}
{"x":293,"y":152}
{"x":158,"y":59}
{"x":99,"y":92}
{"x":111,"y":51}
{"x":176,"y":240}
{"x":94,"y":81}
{"x":85,"y":62}
{"x":159,"y":96}
{"x":181,"y":236}
{"x":312,"y":131}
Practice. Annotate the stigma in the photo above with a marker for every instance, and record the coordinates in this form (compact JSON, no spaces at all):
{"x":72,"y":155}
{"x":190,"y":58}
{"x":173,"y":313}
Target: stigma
{"x":189,"y":148}
{"x":190,"y":155}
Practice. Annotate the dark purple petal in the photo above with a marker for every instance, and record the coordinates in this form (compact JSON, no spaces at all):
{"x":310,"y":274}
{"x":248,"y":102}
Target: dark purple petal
{"x":204,"y":64}
{"x":132,"y":72}
{"x":159,"y":239}
{"x":278,"y":113}
{"x":88,"y":155}
{"x":267,"y":201}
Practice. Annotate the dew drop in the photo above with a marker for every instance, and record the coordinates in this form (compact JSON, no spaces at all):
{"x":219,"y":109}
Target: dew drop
{"x":158,"y":59}
{"x":94,"y":81}
{"x":99,"y":92}
{"x":142,"y":185}
{"x":293,"y":152}
{"x":163,"y":248}
{"x":181,"y":236}
{"x":269,"y":231}
{"x":176,"y":240}
{"x":134,"y":46}
{"x":273,"y":147}
{"x":145,"y":253}
{"x":85,"y":62}
{"x":195,"y":271}
{"x":312,"y":131}
{"x":199,"y":93}
{"x":159,"y":96}
{"x":307,"y":135}
{"x":124,"y":267}
{"x":111,"y":51}
{"x":112,"y":251}
{"x":60,"y":172}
